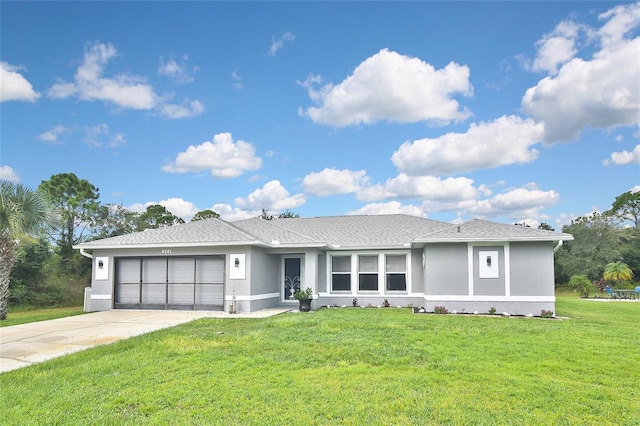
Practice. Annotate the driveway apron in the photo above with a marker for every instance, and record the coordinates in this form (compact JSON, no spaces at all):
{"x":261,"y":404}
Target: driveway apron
{"x":27,"y":344}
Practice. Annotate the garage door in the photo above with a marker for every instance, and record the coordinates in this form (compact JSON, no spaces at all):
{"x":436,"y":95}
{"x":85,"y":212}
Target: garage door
{"x":170,"y":283}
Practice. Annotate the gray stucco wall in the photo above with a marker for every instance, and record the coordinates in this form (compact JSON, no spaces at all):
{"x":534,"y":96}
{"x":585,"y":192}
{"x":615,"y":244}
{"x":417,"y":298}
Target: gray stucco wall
{"x":532,"y":267}
{"x":417,"y":271}
{"x":446,"y":269}
{"x":488,"y":286}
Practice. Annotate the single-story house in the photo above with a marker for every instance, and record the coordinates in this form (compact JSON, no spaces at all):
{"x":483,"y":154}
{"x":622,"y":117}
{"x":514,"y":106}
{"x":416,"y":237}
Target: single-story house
{"x":258,"y":263}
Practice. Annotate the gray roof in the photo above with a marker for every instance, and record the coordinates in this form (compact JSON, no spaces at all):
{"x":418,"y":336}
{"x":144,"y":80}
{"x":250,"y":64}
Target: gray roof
{"x":379,"y":231}
{"x":199,"y":233}
{"x":484,"y":230}
{"x":336,"y":232}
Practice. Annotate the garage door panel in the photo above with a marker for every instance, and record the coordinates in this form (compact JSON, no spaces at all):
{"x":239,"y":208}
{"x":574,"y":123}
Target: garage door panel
{"x":181,"y":294}
{"x":128,"y":293}
{"x":154,"y":293}
{"x":170,"y":283}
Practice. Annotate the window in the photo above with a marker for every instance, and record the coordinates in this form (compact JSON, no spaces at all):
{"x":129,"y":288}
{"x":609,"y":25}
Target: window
{"x":341,"y":273}
{"x":396,"y":272}
{"x":368,"y":273}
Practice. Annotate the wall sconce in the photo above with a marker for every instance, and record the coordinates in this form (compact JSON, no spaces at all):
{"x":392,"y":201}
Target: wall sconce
{"x":236,"y":262}
{"x":488,"y":260}
{"x":100,"y":264}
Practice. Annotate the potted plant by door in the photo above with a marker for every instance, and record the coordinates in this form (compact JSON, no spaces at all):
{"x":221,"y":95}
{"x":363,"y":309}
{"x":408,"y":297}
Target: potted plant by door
{"x":304,"y":299}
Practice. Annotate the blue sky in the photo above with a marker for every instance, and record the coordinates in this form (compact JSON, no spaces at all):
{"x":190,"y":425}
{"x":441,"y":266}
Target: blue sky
{"x":510,"y":111}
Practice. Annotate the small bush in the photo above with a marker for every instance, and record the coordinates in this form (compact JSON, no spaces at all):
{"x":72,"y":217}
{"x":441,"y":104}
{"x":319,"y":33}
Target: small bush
{"x":492,"y":310}
{"x":546,"y":314}
{"x":386,"y":303}
{"x":440,"y":310}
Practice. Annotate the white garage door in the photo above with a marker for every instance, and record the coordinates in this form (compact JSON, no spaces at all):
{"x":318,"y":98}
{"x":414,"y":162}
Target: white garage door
{"x":170,"y":283}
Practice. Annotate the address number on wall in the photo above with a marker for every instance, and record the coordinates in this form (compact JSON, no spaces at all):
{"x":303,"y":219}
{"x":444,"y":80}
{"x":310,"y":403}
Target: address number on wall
{"x":166,"y":251}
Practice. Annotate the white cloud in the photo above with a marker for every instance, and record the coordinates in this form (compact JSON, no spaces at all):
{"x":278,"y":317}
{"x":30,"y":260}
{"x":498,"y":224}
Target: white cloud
{"x":223,"y":157}
{"x":52,"y":136}
{"x":13,"y":85}
{"x":392,"y":207}
{"x":123,"y":90}
{"x":100,"y":135}
{"x":506,"y":140}
{"x":7,"y":173}
{"x":278,"y":43}
{"x":332,"y":181}
{"x":393,"y":87}
{"x":179,"y":72}
{"x":404,"y":186}
{"x":177,"y":206}
{"x":187,"y":109}
{"x":231,"y":214}
{"x":556,"y":48}
{"x":272,"y":196}
{"x":237,"y":80}
{"x":601,"y":92}
{"x":517,"y":204}
{"x":624,"y":157}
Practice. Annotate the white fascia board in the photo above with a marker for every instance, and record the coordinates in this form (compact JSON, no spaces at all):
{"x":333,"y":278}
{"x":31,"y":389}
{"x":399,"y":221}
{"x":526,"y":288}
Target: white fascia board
{"x":493,"y":239}
{"x":169,"y":245}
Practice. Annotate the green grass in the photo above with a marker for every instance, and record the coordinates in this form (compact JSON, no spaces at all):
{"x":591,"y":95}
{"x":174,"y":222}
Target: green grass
{"x":20,"y":316}
{"x":349,"y":366}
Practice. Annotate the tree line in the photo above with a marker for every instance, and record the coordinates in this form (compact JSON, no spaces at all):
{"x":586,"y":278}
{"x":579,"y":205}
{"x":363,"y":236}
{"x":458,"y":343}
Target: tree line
{"x":38,"y":230}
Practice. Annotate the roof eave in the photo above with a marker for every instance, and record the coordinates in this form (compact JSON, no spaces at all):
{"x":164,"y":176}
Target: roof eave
{"x":563,"y":237}
{"x":169,"y":245}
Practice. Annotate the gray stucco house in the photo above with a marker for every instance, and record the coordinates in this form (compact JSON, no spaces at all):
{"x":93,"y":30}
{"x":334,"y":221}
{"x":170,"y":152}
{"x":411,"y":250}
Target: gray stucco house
{"x":407,"y":260}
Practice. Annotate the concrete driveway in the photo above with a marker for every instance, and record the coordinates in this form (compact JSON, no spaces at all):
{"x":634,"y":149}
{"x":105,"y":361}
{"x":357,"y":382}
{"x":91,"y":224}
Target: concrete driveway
{"x":27,"y":344}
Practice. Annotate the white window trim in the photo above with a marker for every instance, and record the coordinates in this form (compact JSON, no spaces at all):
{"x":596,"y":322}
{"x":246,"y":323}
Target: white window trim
{"x":507,"y":265}
{"x":382,"y":273}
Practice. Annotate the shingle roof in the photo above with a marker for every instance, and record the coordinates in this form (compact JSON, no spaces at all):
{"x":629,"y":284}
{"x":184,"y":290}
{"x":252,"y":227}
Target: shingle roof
{"x":484,"y":230}
{"x":201,"y":232}
{"x":337,"y":232}
{"x":378,"y":231}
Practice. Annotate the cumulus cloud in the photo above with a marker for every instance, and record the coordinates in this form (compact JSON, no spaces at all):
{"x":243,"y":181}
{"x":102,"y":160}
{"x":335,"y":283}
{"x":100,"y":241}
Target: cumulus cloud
{"x":231,"y":214}
{"x":223,"y":157}
{"x":123,"y":90}
{"x":13,"y":85}
{"x":392,"y":87}
{"x":187,"y":109}
{"x":100,"y":135}
{"x":7,"y":173}
{"x":278,"y":43}
{"x":506,"y":140}
{"x":405,"y":187}
{"x":52,"y":136}
{"x":177,"y":206}
{"x":272,"y":196}
{"x":517,"y":204}
{"x":180,"y":72}
{"x":624,"y":157}
{"x":332,"y":181}
{"x":392,"y":207}
{"x":602,"y":91}
{"x":556,"y":48}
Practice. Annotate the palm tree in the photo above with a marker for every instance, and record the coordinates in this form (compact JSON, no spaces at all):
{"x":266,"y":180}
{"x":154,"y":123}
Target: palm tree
{"x":22,"y":211}
{"x":617,"y":271}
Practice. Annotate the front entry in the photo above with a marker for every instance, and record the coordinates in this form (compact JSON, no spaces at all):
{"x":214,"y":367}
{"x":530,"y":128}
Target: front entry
{"x":291,"y":281}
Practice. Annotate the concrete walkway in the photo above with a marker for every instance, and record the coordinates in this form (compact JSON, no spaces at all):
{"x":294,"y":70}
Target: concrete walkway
{"x":27,"y":344}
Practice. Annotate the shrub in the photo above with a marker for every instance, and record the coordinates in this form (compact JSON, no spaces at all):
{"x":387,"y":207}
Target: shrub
{"x":546,"y":314}
{"x":582,"y":283}
{"x":492,"y":310}
{"x":440,"y":310}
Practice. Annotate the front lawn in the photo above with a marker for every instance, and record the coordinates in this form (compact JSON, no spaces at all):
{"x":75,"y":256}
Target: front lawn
{"x":349,"y":366}
{"x":20,"y":316}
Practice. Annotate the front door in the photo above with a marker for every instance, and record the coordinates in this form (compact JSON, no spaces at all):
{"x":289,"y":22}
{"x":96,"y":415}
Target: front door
{"x":292,"y":277}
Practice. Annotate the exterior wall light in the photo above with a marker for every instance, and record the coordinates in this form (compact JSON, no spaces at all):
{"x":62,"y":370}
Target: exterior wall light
{"x":488,"y":260}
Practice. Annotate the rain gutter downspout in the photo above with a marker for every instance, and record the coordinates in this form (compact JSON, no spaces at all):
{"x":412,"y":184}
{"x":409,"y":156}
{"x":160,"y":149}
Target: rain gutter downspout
{"x":85,"y":254}
{"x":556,"y":248}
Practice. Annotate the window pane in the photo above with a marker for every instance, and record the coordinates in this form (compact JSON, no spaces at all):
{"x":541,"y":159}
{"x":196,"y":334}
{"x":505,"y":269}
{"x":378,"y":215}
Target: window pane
{"x":368,"y":263}
{"x":396,"y":263}
{"x":154,"y":270}
{"x":368,"y":282}
{"x":341,"y":263}
{"x":397,"y":282}
{"x":128,"y":270}
{"x":181,"y":270}
{"x":341,"y":282}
